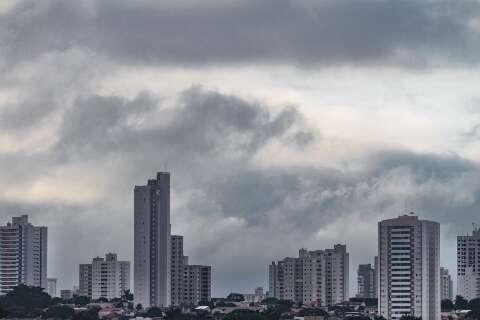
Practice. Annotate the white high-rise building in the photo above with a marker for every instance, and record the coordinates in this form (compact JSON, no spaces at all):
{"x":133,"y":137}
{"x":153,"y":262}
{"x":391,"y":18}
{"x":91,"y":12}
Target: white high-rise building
{"x":52,"y":287}
{"x":446,"y":284}
{"x":315,"y":278}
{"x":23,"y":254}
{"x":104,"y":278}
{"x":409,"y":268}
{"x":152,"y":242}
{"x":468,"y":265}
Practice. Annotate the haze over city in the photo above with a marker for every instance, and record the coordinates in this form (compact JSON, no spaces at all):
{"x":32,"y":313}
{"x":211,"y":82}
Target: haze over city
{"x":283,"y":124}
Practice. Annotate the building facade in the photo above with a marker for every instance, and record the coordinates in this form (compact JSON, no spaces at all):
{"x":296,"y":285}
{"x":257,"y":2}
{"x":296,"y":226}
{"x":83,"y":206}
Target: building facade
{"x":409,"y":268}
{"x":190,"y":284}
{"x":446,"y":284}
{"x":104,"y":278}
{"x":366,"y":281}
{"x":85,"y":280}
{"x":468,"y":265}
{"x":314,"y":278}
{"x":152,"y":242}
{"x":52,"y":287}
{"x":197,"y":285}
{"x":23,"y":255}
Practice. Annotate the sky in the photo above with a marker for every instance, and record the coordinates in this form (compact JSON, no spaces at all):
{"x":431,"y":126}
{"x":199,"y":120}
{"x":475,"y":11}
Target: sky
{"x":284,"y":124}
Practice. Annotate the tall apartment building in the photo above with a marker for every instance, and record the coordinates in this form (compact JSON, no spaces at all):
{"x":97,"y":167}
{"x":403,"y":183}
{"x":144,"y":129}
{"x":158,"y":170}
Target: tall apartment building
{"x":190,"y":284}
{"x":23,"y":254}
{"x":409,"y":268}
{"x":468,"y":265}
{"x":446,"y":284}
{"x":315,"y":278}
{"x":85,"y":280}
{"x":367,"y":280}
{"x":104,"y":277}
{"x":152,"y":242}
{"x":178,"y":262}
{"x":197,"y":285}
{"x":52,"y":287}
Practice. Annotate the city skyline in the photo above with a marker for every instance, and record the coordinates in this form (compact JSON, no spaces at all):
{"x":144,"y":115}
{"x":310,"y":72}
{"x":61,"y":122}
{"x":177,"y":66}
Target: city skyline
{"x":284,"y":123}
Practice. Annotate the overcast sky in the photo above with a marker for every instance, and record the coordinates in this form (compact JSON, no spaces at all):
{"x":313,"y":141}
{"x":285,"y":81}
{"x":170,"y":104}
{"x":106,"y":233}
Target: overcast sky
{"x":284,"y":124}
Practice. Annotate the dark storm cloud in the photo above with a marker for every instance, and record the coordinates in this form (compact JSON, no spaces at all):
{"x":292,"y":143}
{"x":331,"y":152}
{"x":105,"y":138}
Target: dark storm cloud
{"x":208,"y":139}
{"x":323,"y":33}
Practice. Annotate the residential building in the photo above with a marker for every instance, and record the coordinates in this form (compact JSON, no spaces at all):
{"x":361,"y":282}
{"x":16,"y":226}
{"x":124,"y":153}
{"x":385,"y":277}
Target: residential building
{"x":197,"y":284}
{"x":314,"y":278}
{"x":152,"y":242}
{"x":85,"y":280}
{"x":23,"y":254}
{"x":468,"y":265}
{"x":190,"y":284}
{"x":178,"y":261}
{"x":409,"y":268}
{"x":52,"y":287}
{"x":104,"y":277}
{"x":255,"y":297}
{"x":446,"y":284}
{"x":366,"y":281}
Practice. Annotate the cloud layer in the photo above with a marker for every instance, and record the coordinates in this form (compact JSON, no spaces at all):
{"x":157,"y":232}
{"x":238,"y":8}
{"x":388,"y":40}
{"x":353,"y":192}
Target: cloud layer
{"x":285,"y":124}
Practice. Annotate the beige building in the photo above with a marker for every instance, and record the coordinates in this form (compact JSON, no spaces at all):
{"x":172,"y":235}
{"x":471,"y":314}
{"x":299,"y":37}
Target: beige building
{"x":468,"y":265}
{"x":317,"y":277}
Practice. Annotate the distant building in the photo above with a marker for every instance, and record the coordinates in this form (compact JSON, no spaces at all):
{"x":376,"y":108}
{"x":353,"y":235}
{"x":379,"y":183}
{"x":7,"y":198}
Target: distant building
{"x":85,"y":280}
{"x":52,"y":287}
{"x":468,"y":265}
{"x":23,"y":255}
{"x":66,"y":294}
{"x":409,"y":268}
{"x":314,"y":278}
{"x":197,"y":284}
{"x":256,"y":297}
{"x":190,"y":284}
{"x":446,"y":284}
{"x":366,"y":281}
{"x":104,"y":277}
{"x":152,"y":242}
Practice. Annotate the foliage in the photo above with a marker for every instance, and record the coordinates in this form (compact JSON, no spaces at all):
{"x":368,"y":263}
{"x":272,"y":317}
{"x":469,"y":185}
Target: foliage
{"x":59,"y":312}
{"x":81,"y":300}
{"x":244,"y":314}
{"x":102,"y":299}
{"x":235,"y":297}
{"x":461,"y":303}
{"x":127,"y":295}
{"x":474,"y":305}
{"x":27,"y":297}
{"x":369,"y":302}
{"x":312,"y":312}
{"x":276,"y":308}
{"x":154,"y":312}
{"x":379,"y":318}
{"x":447,"y":305}
{"x":90,"y":314}
{"x":176,"y":314}
{"x":138,"y":307}
{"x":224,"y":303}
{"x":3,"y":313}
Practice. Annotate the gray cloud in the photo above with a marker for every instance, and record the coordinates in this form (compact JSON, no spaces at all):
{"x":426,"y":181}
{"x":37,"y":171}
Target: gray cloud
{"x":223,"y":202}
{"x":400,"y":33}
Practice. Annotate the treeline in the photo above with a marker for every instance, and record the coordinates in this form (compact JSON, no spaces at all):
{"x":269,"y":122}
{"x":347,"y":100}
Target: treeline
{"x":33,"y":302}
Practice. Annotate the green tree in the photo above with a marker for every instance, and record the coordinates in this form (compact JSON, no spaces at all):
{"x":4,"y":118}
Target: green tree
{"x":127,"y":295}
{"x":474,"y":305}
{"x":3,"y":313}
{"x":447,"y":305}
{"x":81,"y":300}
{"x":138,"y":307}
{"x":244,"y":314}
{"x":379,"y":318}
{"x":461,"y":303}
{"x":25,"y":301}
{"x":154,"y":312}
{"x":59,"y":312}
